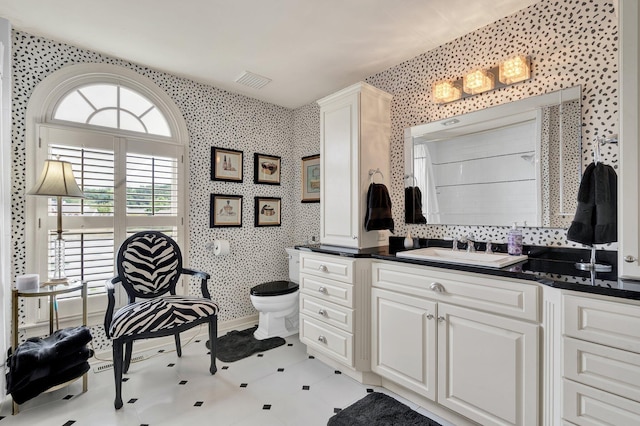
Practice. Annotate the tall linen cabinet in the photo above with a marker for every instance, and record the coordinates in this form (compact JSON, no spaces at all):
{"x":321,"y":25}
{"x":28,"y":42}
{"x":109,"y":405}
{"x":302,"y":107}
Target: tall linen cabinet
{"x":355,"y":131}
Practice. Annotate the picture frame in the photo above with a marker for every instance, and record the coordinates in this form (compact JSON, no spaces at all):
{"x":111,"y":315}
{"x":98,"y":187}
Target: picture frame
{"x":268,"y":211}
{"x":311,"y":179}
{"x":225,"y":211}
{"x":266,"y":169}
{"x":226,"y":164}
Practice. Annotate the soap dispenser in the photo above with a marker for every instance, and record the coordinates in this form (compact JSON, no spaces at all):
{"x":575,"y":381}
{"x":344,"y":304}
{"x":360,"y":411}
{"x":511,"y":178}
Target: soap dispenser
{"x":514,"y":241}
{"x":408,"y":241}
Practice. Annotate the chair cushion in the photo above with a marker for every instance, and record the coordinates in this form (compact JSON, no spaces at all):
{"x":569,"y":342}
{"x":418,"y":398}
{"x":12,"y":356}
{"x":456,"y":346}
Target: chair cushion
{"x":160,"y":313}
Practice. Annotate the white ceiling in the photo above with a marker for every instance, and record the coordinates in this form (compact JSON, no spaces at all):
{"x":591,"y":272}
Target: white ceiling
{"x":308,"y":48}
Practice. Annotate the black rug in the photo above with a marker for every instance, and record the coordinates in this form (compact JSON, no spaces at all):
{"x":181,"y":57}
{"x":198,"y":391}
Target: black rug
{"x":378,"y":409}
{"x":236,"y":345}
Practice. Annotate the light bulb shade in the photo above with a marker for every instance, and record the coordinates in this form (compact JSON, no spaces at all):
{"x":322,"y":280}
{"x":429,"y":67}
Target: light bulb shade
{"x":514,"y":70}
{"x":57,"y":180}
{"x":477,"y":81}
{"x":446,"y":91}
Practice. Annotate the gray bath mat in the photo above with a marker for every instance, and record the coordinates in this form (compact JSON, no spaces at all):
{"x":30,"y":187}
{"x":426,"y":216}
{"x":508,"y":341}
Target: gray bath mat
{"x":378,"y":409}
{"x":236,"y":345}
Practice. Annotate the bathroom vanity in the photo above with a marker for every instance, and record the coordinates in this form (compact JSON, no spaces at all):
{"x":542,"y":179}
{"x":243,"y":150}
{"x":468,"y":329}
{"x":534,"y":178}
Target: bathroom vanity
{"x":537,"y":342}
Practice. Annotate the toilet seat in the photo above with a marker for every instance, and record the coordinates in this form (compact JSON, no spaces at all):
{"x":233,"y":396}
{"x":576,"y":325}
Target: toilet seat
{"x":274,"y":288}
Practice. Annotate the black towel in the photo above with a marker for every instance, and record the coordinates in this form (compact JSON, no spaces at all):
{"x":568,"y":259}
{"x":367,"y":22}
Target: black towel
{"x":378,"y":215}
{"x":595,"y":221}
{"x":413,"y":205}
{"x":36,"y":387}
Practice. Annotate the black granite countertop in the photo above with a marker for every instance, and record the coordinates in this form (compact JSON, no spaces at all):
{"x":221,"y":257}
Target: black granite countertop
{"x":551,"y":266}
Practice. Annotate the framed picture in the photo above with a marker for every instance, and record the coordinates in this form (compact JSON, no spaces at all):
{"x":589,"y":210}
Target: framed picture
{"x":267,"y":211}
{"x":266,"y":169}
{"x":226,"y":164}
{"x":226,"y":210}
{"x":311,"y":179}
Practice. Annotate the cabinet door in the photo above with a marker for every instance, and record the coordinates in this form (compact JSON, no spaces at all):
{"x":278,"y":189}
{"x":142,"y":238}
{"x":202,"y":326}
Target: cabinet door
{"x":339,"y":201}
{"x":404,"y":340}
{"x":487,"y":366}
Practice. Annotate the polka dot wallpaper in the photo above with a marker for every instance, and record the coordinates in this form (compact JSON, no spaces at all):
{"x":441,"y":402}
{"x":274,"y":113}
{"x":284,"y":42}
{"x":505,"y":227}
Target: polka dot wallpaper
{"x":570,"y":42}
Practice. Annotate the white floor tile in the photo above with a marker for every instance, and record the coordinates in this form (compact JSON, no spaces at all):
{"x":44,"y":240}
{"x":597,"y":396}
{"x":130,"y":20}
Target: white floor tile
{"x":163,"y":389}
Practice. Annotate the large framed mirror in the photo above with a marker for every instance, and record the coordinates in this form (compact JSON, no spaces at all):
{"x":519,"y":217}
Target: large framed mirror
{"x":518,"y":162}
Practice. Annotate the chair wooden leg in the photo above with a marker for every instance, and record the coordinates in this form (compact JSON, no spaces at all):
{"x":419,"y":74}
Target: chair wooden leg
{"x":128,"y":349}
{"x":213,"y":336}
{"x":117,"y":372}
{"x":178,"y":346}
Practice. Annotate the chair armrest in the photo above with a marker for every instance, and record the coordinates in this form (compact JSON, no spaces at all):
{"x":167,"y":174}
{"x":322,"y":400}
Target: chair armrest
{"x":204,"y":278}
{"x":195,"y":273}
{"x":109,"y":285}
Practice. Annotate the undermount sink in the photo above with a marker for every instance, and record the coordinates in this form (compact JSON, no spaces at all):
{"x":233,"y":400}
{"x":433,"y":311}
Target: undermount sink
{"x":487,"y":260}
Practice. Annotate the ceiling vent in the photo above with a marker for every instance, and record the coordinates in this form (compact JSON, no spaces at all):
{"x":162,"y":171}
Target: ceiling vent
{"x":252,"y":80}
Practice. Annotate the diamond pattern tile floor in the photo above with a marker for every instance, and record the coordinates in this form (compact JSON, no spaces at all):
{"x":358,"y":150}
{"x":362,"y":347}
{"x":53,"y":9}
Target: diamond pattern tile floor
{"x":283,"y":386}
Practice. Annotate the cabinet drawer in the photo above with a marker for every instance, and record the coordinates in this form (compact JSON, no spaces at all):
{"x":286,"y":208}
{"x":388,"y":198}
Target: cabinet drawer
{"x":492,"y":294}
{"x":587,"y":406}
{"x":338,"y":316}
{"x":603,"y":367}
{"x":327,"y":266}
{"x":329,"y":340}
{"x":326,"y":289}
{"x":609,"y":323}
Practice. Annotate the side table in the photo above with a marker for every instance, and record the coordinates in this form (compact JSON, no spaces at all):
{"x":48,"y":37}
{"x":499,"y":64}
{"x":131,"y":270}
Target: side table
{"x":51,"y":292}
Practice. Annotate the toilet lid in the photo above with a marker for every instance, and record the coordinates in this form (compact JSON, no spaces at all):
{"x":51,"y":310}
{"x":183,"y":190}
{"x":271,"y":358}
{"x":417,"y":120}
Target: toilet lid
{"x":274,"y":288}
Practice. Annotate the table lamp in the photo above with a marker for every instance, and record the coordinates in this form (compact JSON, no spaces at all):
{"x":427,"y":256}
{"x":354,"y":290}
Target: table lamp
{"x":57,"y":180}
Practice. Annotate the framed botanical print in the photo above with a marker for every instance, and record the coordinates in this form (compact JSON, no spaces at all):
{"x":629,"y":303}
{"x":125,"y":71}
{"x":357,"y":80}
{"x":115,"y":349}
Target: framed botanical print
{"x":226,"y":164}
{"x":266,"y":169}
{"x":311,"y":179}
{"x":225,"y":210}
{"x":267,"y":211}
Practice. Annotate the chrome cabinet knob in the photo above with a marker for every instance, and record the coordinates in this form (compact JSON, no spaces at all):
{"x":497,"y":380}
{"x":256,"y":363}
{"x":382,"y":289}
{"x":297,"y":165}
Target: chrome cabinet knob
{"x":322,"y":339}
{"x":430,"y":316}
{"x":322,"y":290}
{"x":322,"y":312}
{"x":630,"y":259}
{"x":323,"y":268}
{"x":441,"y":319}
{"x":437,"y":287}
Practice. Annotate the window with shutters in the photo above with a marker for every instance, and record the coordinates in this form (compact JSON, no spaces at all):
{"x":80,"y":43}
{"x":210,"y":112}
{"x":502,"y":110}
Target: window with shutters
{"x":131,"y":169}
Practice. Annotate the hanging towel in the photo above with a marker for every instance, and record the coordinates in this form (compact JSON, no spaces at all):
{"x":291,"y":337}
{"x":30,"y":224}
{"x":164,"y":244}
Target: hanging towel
{"x":595,"y":221}
{"x":378,"y":215}
{"x":413,"y":205}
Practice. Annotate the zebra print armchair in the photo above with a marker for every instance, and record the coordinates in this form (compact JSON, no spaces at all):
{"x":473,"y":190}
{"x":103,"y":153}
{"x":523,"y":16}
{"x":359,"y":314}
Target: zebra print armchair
{"x":149,"y":265}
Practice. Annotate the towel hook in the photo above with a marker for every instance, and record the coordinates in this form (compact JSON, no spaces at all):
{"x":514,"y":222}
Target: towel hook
{"x":372,"y":174}
{"x":415,"y":181}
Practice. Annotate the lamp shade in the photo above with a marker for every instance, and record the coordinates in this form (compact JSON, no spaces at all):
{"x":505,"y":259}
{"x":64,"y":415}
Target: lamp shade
{"x":57,"y":180}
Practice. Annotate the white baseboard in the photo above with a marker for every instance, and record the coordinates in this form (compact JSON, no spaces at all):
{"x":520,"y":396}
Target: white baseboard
{"x":200,"y":332}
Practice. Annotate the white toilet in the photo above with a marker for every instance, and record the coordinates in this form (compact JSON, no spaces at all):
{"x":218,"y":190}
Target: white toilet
{"x":277,"y":303}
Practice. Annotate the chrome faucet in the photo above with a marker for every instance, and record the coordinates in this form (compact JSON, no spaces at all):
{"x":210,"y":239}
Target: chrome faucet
{"x":454,"y":246}
{"x":471,"y":243}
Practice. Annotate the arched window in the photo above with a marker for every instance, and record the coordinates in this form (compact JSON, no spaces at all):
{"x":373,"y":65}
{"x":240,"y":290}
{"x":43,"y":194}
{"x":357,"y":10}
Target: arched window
{"x":126,"y":141}
{"x":114,"y":106}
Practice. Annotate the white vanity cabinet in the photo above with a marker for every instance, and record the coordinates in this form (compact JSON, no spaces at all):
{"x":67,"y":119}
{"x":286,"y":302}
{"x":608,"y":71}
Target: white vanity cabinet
{"x":335,"y":308}
{"x":601,"y":361}
{"x":466,"y":341}
{"x":355,"y":131}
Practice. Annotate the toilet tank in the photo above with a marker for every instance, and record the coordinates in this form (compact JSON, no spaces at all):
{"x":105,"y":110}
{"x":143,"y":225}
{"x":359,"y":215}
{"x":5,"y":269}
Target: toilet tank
{"x":294,"y":264}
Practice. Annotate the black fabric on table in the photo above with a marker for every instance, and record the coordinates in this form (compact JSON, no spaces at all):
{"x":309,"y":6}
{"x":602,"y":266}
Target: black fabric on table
{"x":36,"y":387}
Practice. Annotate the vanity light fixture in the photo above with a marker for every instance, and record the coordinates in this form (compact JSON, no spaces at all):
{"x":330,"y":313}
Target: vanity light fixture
{"x":446,"y":91}
{"x":510,"y":71}
{"x":477,"y":81}
{"x":514,"y":70}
